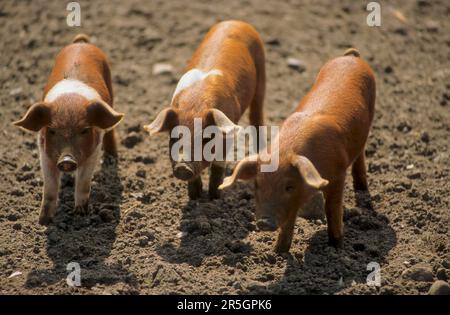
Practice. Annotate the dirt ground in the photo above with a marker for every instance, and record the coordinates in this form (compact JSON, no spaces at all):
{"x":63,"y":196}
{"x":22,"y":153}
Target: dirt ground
{"x":145,"y":237}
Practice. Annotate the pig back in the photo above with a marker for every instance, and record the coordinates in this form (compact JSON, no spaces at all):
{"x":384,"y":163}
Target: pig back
{"x":344,"y":97}
{"x":236,"y":50}
{"x":83,"y":62}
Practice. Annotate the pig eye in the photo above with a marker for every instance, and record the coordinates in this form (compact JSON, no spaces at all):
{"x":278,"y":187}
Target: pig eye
{"x":85,"y":131}
{"x":51,"y":132}
{"x":289,"y":188}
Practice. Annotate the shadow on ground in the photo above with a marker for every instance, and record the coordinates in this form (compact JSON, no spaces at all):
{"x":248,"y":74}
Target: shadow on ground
{"x":214,"y":228}
{"x":85,"y":240}
{"x":322,"y":269}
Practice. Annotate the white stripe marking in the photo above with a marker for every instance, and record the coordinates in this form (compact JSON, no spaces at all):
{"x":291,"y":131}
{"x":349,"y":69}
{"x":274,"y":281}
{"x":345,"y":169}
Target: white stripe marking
{"x":71,"y":86}
{"x":192,"y":76}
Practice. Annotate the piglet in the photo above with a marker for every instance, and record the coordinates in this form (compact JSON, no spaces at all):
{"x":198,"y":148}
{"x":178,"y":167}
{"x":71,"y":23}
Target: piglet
{"x":224,"y":77}
{"x":317,"y":143}
{"x":73,"y":120}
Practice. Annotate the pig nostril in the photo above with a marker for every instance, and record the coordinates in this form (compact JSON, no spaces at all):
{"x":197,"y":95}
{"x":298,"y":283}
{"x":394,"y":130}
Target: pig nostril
{"x":67,"y":164}
{"x":266,"y":224}
{"x":67,"y":167}
{"x":183,"y":172}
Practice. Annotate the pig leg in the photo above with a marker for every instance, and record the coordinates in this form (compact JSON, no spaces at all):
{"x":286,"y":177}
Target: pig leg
{"x":50,"y":192}
{"x":195,"y":188}
{"x":286,"y":234}
{"x":83,"y":184}
{"x":359,"y":173}
{"x":335,"y":212}
{"x":109,"y":143}
{"x":217,"y":172}
{"x":256,"y":115}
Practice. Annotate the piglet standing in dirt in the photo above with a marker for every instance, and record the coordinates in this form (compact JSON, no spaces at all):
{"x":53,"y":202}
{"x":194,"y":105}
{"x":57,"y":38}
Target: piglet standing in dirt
{"x":316,"y":144}
{"x":73,"y":121}
{"x":224,"y":77}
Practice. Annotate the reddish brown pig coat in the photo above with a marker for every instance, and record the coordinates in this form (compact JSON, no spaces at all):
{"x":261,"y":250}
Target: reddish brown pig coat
{"x":317,"y":144}
{"x":234,"y":49}
{"x":72,"y":120}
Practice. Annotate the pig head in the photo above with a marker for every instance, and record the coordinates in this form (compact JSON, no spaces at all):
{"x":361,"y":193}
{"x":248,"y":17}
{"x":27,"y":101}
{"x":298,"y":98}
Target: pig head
{"x":187,"y":166}
{"x":279,"y":194}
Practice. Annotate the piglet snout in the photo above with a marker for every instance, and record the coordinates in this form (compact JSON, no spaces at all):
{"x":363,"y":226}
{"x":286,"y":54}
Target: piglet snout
{"x":266,"y":224}
{"x":67,"y":164}
{"x":182,"y":171}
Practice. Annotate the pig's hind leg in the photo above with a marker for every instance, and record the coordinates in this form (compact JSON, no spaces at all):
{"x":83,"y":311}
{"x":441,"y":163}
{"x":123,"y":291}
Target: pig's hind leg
{"x":359,"y":173}
{"x":256,"y":112}
{"x":256,"y":115}
{"x":83,"y":184}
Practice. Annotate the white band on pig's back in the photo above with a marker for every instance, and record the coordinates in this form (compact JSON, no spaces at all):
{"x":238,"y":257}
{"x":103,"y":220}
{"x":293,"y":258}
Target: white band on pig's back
{"x":192,"y":76}
{"x":71,"y":86}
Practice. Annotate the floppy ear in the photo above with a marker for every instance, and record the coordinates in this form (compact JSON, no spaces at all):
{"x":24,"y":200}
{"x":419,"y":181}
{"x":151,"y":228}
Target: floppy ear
{"x":165,"y":121}
{"x":245,"y":170}
{"x":37,"y":116}
{"x":308,"y":172}
{"x":101,"y":115}
{"x":219,"y":119}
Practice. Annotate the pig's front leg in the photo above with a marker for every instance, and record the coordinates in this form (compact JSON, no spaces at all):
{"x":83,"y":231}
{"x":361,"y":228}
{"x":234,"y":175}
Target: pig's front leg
{"x":286,"y":234}
{"x":335,"y":212}
{"x":195,"y":188}
{"x":217,"y":173}
{"x":83,"y":184}
{"x":50,"y":192}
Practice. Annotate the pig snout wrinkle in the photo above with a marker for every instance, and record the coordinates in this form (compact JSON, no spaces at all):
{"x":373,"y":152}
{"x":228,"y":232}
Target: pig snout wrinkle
{"x":183,"y":172}
{"x":67,"y":164}
{"x":266,"y":224}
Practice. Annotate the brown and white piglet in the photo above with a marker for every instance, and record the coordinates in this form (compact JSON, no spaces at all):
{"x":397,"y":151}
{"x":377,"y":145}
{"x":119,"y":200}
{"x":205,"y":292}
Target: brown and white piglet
{"x":225,"y":76}
{"x":73,"y":120}
{"x":317,"y":143}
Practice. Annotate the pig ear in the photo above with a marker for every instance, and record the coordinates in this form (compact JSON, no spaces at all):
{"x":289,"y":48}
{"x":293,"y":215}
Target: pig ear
{"x":308,"y":172}
{"x":36,"y":117}
{"x":165,"y":121}
{"x":101,"y":115}
{"x":219,"y":119}
{"x":245,"y":170}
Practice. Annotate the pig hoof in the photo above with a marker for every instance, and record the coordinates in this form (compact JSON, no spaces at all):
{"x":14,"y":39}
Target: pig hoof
{"x":82,"y":209}
{"x":335,"y":242}
{"x":282,"y":248}
{"x":360,"y":186}
{"x":45,"y":220}
{"x":195,"y":188}
{"x":194,"y":193}
{"x":214,"y":194}
{"x":194,"y":196}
